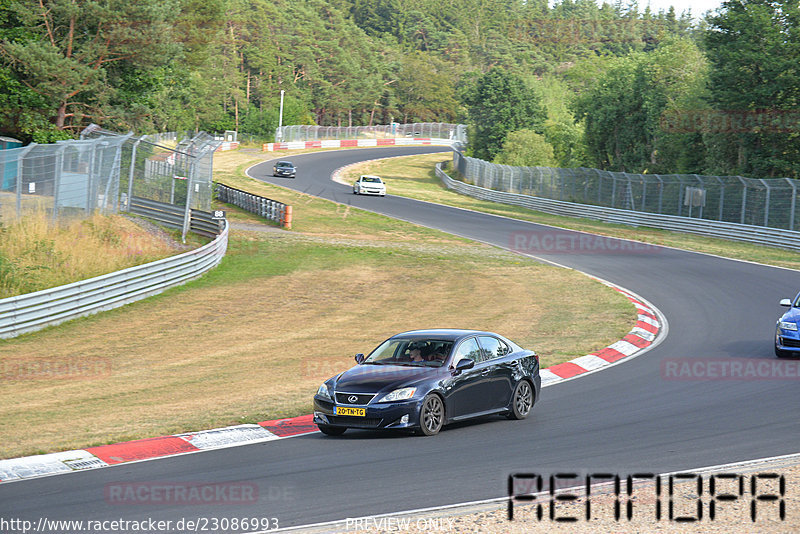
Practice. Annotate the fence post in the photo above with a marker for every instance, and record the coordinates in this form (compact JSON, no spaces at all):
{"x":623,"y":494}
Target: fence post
{"x":130,"y":171}
{"x":766,"y":202}
{"x":794,"y":197}
{"x":187,"y":212}
{"x":681,"y":192}
{"x":613,"y":189}
{"x":721,"y":197}
{"x":660,"y":193}
{"x":744,"y":198}
{"x":703,"y":187}
{"x":644,"y":193}
{"x":57,"y":181}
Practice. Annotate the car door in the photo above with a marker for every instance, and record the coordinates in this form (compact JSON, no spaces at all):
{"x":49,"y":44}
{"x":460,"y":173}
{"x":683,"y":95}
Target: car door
{"x":499,"y":371}
{"x":470,"y":391}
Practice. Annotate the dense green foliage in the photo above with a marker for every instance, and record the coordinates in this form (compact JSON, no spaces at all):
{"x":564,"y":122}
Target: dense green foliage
{"x":499,"y":103}
{"x":623,"y":112}
{"x":754,"y":51}
{"x":603,"y":85}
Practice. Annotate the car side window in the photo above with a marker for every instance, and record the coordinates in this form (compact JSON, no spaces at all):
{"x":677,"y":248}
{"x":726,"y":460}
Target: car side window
{"x":493,"y":347}
{"x":468,"y":349}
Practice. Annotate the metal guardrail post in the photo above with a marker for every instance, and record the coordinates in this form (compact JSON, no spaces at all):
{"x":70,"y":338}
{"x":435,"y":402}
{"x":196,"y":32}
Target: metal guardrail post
{"x":703,"y":187}
{"x":794,"y":198}
{"x":766,"y":202}
{"x":57,"y":179}
{"x":20,"y":163}
{"x":187,"y":213}
{"x":744,"y":199}
{"x":721,"y":197}
{"x":131,"y":170}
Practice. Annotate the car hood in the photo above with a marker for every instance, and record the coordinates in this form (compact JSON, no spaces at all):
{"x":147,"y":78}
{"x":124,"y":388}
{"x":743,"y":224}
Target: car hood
{"x":376,"y":378}
{"x":792,"y":315}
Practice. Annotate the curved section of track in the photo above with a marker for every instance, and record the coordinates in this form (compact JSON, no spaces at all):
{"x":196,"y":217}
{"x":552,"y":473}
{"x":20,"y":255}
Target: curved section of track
{"x":636,"y":417}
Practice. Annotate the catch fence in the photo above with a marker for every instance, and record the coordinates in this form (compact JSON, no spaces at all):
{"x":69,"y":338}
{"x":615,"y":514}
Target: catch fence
{"x":456,"y":133}
{"x":768,"y":202}
{"x":103,"y":170}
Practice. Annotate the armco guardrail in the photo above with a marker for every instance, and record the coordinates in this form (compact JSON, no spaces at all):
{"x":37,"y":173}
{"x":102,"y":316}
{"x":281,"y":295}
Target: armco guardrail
{"x":34,"y":311}
{"x":269,"y":209}
{"x":200,"y":222}
{"x":740,"y":232}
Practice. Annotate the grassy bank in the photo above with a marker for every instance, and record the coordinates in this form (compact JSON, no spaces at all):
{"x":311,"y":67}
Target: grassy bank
{"x":37,"y":254}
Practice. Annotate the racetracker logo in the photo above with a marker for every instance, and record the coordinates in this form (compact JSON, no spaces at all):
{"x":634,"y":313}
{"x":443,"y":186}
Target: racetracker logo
{"x":730,"y":121}
{"x":729,"y":369}
{"x":563,"y":242}
{"x":68,"y":368}
{"x":184,"y":493}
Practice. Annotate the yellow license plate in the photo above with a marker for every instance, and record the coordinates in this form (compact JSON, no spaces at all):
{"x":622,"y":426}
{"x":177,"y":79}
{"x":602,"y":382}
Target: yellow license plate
{"x":344,"y":410}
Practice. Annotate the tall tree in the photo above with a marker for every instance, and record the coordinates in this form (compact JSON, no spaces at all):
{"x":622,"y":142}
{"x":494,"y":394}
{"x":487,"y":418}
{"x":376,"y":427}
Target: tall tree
{"x":500,"y":103}
{"x":71,"y":46}
{"x":623,"y":110}
{"x":754,"y":50}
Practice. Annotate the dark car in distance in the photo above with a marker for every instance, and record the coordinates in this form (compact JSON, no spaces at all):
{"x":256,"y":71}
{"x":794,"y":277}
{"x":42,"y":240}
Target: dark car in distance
{"x":424,"y":379}
{"x":284,"y":168}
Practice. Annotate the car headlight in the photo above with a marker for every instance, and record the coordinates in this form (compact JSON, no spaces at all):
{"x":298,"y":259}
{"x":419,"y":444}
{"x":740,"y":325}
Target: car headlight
{"x":399,"y":394}
{"x":785,"y":325}
{"x":323,"y":392}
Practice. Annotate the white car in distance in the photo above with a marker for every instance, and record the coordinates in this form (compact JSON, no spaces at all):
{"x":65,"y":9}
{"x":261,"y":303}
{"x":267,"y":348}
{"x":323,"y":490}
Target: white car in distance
{"x":368,"y":184}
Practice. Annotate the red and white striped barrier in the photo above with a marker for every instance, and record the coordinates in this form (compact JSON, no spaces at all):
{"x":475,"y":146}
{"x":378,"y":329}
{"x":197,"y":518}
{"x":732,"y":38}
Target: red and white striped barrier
{"x":347,"y":143}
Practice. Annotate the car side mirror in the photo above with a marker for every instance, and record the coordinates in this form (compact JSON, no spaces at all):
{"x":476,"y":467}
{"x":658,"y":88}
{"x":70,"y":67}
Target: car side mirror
{"x":463,"y":365}
{"x":786,"y":302}
{"x":360,"y":358}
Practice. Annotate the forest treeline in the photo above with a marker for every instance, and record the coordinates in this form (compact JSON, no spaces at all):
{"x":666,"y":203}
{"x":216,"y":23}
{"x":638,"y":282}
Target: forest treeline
{"x":576,"y":83}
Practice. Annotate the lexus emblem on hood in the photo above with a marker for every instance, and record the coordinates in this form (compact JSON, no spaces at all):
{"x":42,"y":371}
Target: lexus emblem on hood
{"x":352,"y":399}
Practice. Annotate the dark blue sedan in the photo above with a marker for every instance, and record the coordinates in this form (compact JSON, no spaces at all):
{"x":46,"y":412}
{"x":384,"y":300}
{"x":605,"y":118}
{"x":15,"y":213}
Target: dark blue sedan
{"x":787,"y":338}
{"x":424,"y":379}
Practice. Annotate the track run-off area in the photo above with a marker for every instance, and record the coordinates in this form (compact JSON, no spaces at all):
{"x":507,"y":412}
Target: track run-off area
{"x":674,"y":408}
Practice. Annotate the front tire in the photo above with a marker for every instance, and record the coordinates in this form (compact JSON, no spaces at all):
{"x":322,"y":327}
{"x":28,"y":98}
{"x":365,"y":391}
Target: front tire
{"x":332,"y":430}
{"x":431,"y":415}
{"x":521,"y":401}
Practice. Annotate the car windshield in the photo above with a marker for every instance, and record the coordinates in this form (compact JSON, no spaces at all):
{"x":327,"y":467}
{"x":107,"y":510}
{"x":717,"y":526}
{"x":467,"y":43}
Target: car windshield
{"x":411,"y":352}
{"x":371,"y":179}
{"x":285,"y":164}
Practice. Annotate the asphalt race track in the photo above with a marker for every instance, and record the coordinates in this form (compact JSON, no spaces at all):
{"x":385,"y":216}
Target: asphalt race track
{"x":631,"y":418}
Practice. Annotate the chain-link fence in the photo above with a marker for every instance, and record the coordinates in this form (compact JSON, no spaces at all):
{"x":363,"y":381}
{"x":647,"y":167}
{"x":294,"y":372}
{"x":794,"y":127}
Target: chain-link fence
{"x":769,"y":202}
{"x":103,"y":170}
{"x":171,"y":168}
{"x":434,"y":130}
{"x":65,"y":178}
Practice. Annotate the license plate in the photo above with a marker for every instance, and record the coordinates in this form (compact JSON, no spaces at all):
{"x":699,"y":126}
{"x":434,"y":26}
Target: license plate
{"x":344,"y":410}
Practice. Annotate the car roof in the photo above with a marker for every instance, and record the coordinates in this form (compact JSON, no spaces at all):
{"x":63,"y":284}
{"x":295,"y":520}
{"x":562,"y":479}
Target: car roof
{"x":285,"y":163}
{"x":448,"y":334}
